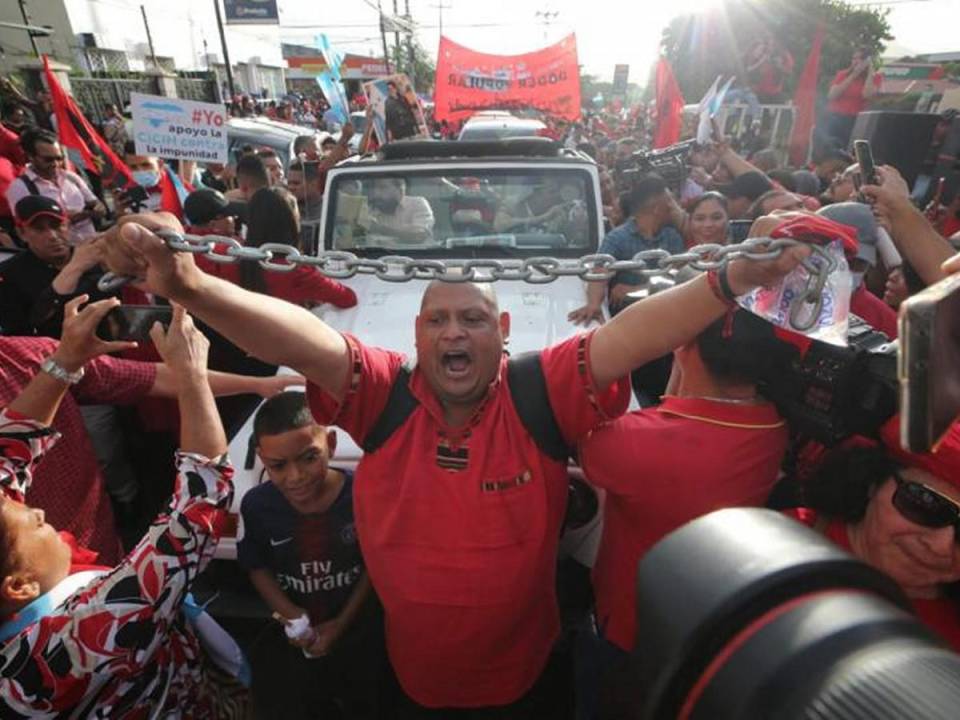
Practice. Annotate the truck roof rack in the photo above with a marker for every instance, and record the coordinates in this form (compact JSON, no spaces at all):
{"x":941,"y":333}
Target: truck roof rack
{"x":508,"y":147}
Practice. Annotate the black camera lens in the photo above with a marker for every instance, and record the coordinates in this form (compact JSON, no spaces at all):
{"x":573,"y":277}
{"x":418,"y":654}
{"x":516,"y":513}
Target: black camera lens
{"x":747,"y":614}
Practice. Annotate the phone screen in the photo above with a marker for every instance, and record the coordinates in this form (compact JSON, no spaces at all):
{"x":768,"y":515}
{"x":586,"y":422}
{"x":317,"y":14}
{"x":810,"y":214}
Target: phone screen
{"x":868,"y":169}
{"x":930,"y":364}
{"x":133,"y":322}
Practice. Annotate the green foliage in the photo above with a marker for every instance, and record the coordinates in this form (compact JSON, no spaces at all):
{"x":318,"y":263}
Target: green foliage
{"x":424,"y":70}
{"x":703,"y":45}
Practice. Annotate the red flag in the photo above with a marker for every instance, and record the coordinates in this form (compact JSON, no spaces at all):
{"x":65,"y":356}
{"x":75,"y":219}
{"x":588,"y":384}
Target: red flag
{"x":669,"y":108}
{"x":805,"y":102}
{"x":77,"y":133}
{"x":173,"y":191}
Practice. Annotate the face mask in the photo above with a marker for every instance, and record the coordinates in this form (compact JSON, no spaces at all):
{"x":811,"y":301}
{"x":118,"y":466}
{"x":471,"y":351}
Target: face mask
{"x":856,"y":279}
{"x":146,"y":178}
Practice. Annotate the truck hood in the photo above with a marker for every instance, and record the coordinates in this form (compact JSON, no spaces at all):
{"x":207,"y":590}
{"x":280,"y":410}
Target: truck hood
{"x":386,"y":312}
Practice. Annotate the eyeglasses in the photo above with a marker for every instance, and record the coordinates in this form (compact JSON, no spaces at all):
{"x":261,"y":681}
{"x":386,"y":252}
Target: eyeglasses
{"x":924,"y":506}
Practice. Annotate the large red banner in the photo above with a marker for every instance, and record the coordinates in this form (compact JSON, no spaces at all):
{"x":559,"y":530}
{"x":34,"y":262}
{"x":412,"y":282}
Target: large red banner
{"x":468,"y":81}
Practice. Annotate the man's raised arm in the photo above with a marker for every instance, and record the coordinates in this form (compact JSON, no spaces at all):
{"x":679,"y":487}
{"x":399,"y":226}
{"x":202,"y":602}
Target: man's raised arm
{"x":270,"y":329}
{"x":670,"y":319}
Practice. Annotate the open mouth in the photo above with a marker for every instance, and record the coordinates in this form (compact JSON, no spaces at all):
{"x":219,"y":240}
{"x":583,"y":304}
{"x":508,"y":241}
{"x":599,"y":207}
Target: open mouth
{"x":456,"y":363}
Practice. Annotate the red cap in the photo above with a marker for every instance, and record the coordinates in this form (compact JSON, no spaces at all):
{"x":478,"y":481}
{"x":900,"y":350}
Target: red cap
{"x":820,"y":231}
{"x":943,"y":461}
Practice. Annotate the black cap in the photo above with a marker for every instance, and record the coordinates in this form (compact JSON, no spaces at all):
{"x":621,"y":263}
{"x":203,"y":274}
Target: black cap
{"x":31,"y":207}
{"x":202,"y":206}
{"x":750,"y":185}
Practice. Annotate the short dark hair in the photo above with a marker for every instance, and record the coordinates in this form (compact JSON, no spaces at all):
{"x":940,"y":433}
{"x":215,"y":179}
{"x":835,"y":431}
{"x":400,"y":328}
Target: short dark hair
{"x":310,"y":170}
{"x":252,"y":168}
{"x":756,"y":209}
{"x":742,"y":348}
{"x":247,"y":149}
{"x":282,"y":413}
{"x":784,"y":177}
{"x":300,"y":142}
{"x":846,"y":479}
{"x":833,"y":153}
{"x":266,"y":152}
{"x":644,"y":190}
{"x":30,"y":137}
{"x":129,"y":148}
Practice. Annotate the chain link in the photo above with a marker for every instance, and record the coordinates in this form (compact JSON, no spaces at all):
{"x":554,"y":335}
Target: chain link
{"x":342,"y":264}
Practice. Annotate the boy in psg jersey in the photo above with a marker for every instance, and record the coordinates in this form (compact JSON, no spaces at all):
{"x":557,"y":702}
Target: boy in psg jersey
{"x":300,"y":548}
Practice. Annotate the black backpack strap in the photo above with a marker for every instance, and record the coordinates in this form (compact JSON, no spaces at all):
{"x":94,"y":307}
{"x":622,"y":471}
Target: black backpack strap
{"x":400,"y":405}
{"x":528,"y":388}
{"x":31,"y":185}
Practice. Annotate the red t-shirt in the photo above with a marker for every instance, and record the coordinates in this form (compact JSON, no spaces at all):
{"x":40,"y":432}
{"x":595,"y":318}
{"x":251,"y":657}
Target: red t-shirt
{"x":663,"y":467}
{"x":851,"y":101}
{"x":303,"y":285}
{"x":864,"y":304}
{"x":460,"y":536}
{"x":939,"y":614}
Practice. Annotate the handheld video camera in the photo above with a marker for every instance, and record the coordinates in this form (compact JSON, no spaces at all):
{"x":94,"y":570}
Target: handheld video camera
{"x":670,"y":163}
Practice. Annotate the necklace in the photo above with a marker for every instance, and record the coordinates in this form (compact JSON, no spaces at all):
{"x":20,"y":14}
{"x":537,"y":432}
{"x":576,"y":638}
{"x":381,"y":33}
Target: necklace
{"x":733,"y":401}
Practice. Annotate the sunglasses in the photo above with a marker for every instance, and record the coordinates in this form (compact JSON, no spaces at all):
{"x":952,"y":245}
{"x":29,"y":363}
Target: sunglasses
{"x":924,"y":506}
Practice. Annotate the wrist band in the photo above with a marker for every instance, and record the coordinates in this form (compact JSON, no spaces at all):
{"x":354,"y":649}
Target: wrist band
{"x":717,"y":280}
{"x":728,"y":292}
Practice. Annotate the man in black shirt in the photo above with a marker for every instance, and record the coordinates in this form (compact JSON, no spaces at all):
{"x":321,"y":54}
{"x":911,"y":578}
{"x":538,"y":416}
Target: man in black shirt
{"x":398,"y":115}
{"x":37,"y":283}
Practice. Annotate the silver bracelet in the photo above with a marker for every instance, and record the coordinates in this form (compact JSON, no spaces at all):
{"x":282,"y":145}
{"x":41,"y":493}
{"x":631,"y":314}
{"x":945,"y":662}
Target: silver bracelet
{"x":58,"y":372}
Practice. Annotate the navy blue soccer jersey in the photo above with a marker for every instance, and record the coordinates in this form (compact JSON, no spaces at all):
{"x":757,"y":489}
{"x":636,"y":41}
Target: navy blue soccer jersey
{"x":315,"y":558}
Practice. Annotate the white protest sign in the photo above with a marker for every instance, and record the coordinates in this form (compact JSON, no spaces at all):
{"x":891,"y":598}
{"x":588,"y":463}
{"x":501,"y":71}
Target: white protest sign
{"x":179,"y":129}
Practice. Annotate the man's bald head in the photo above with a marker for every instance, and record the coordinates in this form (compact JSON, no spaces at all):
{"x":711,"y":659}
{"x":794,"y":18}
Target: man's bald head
{"x":485,"y":290}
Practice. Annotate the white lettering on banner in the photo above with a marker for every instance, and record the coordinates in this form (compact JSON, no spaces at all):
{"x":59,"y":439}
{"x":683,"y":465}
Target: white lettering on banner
{"x":179,"y":129}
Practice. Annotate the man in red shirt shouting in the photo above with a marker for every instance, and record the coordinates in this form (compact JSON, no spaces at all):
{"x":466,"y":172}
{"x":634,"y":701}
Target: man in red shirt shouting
{"x":459,"y":508}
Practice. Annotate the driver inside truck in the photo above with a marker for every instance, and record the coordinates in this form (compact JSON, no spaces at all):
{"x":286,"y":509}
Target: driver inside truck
{"x":392,"y":217}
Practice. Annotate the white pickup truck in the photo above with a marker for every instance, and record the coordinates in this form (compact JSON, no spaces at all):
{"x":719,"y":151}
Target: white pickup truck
{"x":455,"y":202}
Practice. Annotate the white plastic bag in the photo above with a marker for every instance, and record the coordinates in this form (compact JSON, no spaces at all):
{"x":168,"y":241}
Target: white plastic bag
{"x":779,"y":304}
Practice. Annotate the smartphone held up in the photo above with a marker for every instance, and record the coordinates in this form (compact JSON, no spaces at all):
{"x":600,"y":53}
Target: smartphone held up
{"x":133,"y":322}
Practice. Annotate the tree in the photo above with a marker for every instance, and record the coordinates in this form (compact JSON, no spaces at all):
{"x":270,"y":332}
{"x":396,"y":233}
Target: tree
{"x":424,"y":70}
{"x":704,"y":45}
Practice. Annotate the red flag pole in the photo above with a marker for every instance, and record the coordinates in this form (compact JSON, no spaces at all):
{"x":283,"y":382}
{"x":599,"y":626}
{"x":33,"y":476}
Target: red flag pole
{"x":805,"y":103}
{"x":76,"y":132}
{"x":669,"y":106}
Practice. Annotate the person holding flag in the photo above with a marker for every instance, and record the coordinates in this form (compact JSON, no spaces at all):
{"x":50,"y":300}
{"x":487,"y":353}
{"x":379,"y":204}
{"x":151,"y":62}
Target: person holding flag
{"x":155,"y":186}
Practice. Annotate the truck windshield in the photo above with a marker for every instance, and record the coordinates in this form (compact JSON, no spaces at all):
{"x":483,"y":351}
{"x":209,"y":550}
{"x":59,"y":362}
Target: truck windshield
{"x":513,"y":212}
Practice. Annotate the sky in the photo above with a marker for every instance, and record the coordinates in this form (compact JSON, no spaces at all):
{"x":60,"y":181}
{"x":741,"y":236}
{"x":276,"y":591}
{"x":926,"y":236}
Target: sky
{"x":608,"y":31}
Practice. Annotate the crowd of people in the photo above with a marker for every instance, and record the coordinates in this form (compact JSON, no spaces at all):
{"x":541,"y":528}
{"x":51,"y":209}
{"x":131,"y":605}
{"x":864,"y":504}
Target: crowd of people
{"x":427,"y":582}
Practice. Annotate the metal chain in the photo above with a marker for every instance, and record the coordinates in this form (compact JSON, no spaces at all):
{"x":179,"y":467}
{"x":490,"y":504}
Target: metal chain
{"x":342,"y":264}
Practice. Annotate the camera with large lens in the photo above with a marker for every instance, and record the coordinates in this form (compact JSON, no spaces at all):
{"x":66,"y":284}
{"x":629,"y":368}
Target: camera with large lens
{"x":670,"y":163}
{"x":746,"y":614}
{"x":828,"y":393}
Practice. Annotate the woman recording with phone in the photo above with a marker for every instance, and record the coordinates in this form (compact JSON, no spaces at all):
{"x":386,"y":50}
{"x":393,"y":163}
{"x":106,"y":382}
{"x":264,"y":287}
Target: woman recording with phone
{"x":849,"y":92}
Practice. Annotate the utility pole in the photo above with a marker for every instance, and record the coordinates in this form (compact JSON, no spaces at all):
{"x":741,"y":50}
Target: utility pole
{"x":547,"y":18}
{"x":26,"y":21}
{"x":383,"y":37}
{"x":396,"y":34}
{"x":153,"y":54}
{"x":223,"y":45}
{"x":440,"y":6}
{"x":410,"y":49}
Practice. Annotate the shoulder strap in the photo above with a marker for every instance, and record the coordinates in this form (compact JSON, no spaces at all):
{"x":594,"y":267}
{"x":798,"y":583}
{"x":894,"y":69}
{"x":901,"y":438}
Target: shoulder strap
{"x":31,"y":185}
{"x":528,"y":389}
{"x":400,"y":405}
